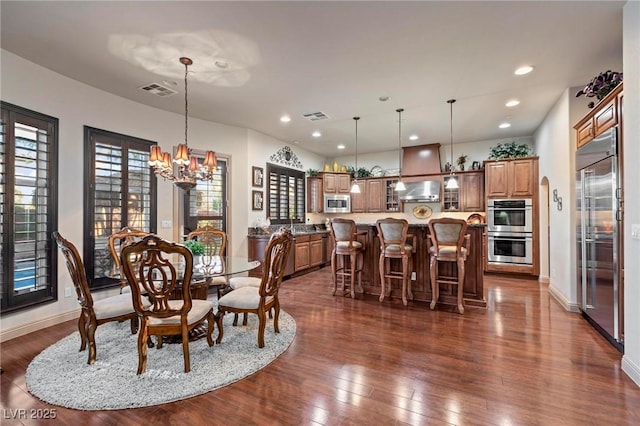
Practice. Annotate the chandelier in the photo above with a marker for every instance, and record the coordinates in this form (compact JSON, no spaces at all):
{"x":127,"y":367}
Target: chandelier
{"x":189,"y":171}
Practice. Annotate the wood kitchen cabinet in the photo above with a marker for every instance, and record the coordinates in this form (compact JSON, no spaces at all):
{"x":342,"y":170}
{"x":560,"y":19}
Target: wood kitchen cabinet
{"x":336,"y":183}
{"x":604,"y":116}
{"x":315,"y":201}
{"x":391,"y":199}
{"x":516,"y":178}
{"x":468,"y":197}
{"x":472,"y":191}
{"x":301,"y":252}
{"x":316,"y":250}
{"x":371,"y":198}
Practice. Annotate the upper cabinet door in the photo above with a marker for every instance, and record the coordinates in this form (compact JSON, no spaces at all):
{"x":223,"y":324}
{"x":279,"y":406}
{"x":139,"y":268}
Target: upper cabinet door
{"x":329,"y":183}
{"x":344,"y":184}
{"x":497,"y":179}
{"x":511,"y":178}
{"x":472,"y":187}
{"x":523,"y":181}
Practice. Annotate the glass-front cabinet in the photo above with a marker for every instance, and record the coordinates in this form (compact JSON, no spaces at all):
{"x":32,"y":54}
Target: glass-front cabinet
{"x":451,"y":196}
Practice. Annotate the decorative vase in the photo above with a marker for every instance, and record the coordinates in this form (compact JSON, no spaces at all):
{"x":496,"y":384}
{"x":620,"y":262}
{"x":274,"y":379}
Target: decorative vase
{"x":335,"y":166}
{"x":327,"y":168}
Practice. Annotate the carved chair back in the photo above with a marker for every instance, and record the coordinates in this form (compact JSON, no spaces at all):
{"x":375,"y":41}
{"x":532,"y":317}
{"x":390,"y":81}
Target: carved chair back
{"x":214,"y":240}
{"x":158,"y":276}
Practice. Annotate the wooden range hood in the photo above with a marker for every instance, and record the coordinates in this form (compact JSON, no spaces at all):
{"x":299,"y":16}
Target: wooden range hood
{"x":421,"y":160}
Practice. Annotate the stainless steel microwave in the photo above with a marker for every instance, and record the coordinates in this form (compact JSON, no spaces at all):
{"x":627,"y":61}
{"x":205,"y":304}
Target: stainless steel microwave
{"x":337,"y":203}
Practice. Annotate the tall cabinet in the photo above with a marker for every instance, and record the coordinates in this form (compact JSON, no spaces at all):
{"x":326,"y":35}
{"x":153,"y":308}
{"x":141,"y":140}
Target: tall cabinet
{"x":514,"y":179}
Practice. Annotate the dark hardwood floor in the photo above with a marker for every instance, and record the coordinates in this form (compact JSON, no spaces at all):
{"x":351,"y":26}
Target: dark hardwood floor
{"x":521,"y":361}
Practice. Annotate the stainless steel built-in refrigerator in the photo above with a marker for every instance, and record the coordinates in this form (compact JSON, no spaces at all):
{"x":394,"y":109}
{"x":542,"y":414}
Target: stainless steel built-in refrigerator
{"x":599,"y":201}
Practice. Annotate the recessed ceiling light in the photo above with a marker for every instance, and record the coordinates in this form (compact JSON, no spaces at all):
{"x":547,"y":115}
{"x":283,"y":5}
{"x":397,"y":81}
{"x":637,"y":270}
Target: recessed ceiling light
{"x":413,"y":137}
{"x":285,"y":119}
{"x":523,"y":70}
{"x":316,"y":134}
{"x":383,"y":98}
{"x":504,"y":125}
{"x":341,"y":146}
{"x":512,"y":103}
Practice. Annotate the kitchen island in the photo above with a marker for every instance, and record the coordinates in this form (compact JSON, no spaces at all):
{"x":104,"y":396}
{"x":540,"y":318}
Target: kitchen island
{"x":420,"y":286}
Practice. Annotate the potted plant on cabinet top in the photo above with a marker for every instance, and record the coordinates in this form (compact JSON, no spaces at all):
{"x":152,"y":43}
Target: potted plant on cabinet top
{"x":509,"y":150}
{"x":461,"y":162}
{"x":601,"y":85}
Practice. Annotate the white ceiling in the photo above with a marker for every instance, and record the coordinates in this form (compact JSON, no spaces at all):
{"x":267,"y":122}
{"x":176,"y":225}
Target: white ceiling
{"x":335,"y":57}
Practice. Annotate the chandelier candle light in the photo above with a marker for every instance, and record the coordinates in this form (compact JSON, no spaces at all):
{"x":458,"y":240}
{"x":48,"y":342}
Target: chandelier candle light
{"x":452,"y":183}
{"x":355,"y":189}
{"x":400,"y":185}
{"x":189,"y":170}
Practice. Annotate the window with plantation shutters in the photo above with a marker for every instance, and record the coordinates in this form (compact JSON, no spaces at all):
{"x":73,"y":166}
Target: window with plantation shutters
{"x":206,"y":204}
{"x":286,"y":195}
{"x":28,"y":207}
{"x":120,"y":190}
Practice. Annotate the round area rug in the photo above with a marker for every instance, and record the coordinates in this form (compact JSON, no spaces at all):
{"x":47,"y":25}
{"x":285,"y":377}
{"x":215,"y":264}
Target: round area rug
{"x":61,"y":376}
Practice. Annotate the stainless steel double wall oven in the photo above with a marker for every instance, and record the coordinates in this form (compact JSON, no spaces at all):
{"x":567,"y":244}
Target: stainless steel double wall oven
{"x":510,"y":231}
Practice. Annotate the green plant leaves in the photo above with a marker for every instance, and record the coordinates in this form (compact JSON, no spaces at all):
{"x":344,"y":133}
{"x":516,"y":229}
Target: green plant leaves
{"x":509,"y":150}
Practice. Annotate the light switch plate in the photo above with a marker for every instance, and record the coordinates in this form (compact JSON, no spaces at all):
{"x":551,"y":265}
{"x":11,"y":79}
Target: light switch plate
{"x":67,"y":291}
{"x":635,"y":231}
{"x":166,"y":224}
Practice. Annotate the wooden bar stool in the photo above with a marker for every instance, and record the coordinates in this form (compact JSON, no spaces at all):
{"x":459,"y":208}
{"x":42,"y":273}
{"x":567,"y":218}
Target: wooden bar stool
{"x":449,"y":243}
{"x":393,"y":235}
{"x":346,"y":245}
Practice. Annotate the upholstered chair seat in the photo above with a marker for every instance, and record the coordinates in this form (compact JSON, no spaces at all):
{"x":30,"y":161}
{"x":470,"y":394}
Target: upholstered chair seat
{"x":238,"y":282}
{"x":115,"y":306}
{"x":199,"y":309}
{"x":447,"y":250}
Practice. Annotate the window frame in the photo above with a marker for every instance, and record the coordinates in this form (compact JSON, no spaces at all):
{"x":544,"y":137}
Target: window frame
{"x":11,"y":302}
{"x":89,"y":240}
{"x":299,"y":191}
{"x":187,"y":219}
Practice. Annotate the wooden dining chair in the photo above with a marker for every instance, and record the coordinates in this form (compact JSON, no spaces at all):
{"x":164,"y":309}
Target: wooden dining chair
{"x":116,"y":241}
{"x":158,"y":277}
{"x":215,"y":243}
{"x":94,"y":313}
{"x":260,"y":300}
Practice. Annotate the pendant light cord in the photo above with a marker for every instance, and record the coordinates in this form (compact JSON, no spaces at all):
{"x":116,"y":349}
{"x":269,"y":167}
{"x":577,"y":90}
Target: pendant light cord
{"x":356,"y":120}
{"x":399,"y":111}
{"x":450,"y":102}
{"x":186,"y":104}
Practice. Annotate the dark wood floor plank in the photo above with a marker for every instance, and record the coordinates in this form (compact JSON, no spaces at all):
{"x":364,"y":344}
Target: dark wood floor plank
{"x":523,"y":360}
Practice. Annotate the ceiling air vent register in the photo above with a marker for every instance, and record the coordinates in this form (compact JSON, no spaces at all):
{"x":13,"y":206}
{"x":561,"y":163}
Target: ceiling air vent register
{"x":316,"y":116}
{"x":158,"y":90}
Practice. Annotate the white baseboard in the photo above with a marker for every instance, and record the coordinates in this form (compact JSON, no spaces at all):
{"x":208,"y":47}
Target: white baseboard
{"x":563,"y":301}
{"x":631,"y":369}
{"x":21,"y":330}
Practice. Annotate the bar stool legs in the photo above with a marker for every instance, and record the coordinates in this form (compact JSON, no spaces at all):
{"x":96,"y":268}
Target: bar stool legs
{"x":355,"y":272}
{"x":436,"y":280}
{"x":384,"y":265}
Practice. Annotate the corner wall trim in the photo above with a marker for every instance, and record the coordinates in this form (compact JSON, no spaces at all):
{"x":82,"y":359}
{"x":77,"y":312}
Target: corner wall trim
{"x":563,"y":301}
{"x":632,"y":370}
{"x":21,"y":330}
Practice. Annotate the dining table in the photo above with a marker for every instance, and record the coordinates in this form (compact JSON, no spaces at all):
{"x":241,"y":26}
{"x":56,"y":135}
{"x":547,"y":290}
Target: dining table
{"x":207,"y":268}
